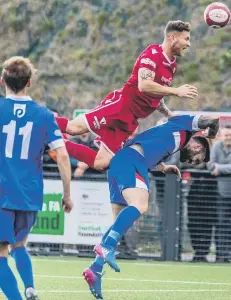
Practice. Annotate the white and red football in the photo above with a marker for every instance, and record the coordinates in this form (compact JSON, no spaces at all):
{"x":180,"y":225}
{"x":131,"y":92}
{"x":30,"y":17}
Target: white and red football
{"x":217,"y":15}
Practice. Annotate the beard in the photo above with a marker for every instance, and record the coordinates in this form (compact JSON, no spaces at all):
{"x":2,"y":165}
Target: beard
{"x":185,"y":154}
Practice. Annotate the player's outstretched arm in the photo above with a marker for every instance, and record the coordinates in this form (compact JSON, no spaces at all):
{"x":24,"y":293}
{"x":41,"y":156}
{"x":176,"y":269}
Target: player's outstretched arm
{"x":169,"y":169}
{"x":63,"y":162}
{"x":164,"y":110}
{"x":212,"y":123}
{"x":146,"y":84}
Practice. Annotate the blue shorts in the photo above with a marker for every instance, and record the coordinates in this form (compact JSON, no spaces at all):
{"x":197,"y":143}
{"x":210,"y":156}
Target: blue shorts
{"x":127,"y":170}
{"x":15,"y":225}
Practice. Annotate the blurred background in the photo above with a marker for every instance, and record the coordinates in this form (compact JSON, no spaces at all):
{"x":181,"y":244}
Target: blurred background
{"x":85,"y":49}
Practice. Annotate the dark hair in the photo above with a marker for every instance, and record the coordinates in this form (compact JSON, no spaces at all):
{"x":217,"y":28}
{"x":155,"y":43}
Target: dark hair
{"x":177,"y":26}
{"x":16,"y":72}
{"x":204,"y":142}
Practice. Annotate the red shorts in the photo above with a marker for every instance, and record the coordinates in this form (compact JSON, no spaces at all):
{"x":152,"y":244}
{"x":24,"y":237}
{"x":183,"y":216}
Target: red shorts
{"x":111,"y":122}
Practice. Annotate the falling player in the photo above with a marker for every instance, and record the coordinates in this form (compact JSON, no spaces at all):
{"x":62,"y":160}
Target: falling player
{"x":116,"y":118}
{"x":129,"y":184}
{"x":25,"y":128}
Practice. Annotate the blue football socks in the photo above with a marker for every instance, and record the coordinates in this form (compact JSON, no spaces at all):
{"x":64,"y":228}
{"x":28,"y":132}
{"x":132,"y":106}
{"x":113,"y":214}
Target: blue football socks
{"x":123,"y":223}
{"x":24,"y":265}
{"x":97,"y":265}
{"x":8,"y":281}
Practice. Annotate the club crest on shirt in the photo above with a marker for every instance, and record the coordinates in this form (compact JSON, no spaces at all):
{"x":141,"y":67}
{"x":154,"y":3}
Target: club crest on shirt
{"x":19,"y":110}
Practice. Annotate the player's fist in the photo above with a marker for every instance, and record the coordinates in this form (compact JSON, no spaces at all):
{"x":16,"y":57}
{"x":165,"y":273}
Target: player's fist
{"x":67,"y":204}
{"x":171,"y":169}
{"x":186,"y":90}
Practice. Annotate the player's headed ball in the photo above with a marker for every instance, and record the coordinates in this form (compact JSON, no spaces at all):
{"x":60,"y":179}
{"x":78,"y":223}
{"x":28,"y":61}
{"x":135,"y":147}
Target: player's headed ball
{"x":217,"y":15}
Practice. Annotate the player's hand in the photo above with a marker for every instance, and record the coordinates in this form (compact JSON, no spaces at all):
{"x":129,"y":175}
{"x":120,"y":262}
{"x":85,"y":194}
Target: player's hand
{"x":172,"y":169}
{"x":186,"y":90}
{"x":67,"y":204}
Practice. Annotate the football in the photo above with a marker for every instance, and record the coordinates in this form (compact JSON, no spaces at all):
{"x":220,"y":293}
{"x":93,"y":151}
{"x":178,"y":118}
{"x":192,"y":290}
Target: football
{"x":217,"y":15}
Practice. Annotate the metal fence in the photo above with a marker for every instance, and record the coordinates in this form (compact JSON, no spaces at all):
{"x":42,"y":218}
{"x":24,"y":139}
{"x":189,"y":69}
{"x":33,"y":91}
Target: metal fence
{"x":187,"y":220}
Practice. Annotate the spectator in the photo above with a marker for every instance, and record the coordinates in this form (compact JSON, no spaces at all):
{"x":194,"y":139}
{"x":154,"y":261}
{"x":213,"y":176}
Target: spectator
{"x":201,"y":209}
{"x":220,"y":163}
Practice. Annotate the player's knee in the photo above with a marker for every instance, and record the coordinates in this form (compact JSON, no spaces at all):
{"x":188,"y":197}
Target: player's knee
{"x":77,"y":126}
{"x":18,"y":245}
{"x":143,"y":207}
{"x":101,"y":164}
{"x":3,"y":249}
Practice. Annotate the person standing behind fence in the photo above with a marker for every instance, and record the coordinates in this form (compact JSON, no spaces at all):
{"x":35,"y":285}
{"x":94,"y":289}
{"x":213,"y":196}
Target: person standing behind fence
{"x":220,"y":164}
{"x":25,"y":129}
{"x":201,"y":211}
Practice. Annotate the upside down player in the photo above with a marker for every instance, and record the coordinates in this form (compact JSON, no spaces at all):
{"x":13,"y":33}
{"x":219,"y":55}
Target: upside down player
{"x":116,"y":118}
{"x":129,"y":184}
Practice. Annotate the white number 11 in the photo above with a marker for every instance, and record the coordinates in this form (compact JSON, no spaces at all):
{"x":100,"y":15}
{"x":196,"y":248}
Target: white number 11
{"x":25,"y":131}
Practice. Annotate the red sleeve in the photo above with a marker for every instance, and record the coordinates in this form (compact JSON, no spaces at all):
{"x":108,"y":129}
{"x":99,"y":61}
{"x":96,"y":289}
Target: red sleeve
{"x":149,"y":59}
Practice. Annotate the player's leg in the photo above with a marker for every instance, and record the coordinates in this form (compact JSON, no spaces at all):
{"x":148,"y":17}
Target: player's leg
{"x":93,"y":274}
{"x":81,"y":168}
{"x":134,"y":188}
{"x":138,"y":203}
{"x":137,"y":200}
{"x":94,"y":120}
{"x":73,"y":127}
{"x":97,"y":160}
{"x":103,"y":157}
{"x":24,"y":221}
{"x":8,"y":282}
{"x":97,"y":265}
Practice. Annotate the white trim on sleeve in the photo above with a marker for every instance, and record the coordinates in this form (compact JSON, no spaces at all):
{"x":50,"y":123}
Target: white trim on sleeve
{"x":176,"y":136}
{"x":195,"y":123}
{"x":56,"y":144}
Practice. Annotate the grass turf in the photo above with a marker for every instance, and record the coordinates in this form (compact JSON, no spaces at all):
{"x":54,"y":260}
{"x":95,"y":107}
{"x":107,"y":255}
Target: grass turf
{"x":60,"y":278}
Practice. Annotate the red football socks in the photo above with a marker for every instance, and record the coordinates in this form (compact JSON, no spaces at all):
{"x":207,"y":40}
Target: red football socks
{"x":81,"y":153}
{"x":62,"y":123}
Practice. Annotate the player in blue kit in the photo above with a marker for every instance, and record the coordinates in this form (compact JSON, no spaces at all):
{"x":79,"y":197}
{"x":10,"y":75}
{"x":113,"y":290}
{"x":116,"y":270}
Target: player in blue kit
{"x":129,"y":184}
{"x":25,"y":129}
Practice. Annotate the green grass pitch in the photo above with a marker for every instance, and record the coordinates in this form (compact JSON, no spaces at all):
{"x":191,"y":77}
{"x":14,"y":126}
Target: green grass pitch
{"x":60,"y":278}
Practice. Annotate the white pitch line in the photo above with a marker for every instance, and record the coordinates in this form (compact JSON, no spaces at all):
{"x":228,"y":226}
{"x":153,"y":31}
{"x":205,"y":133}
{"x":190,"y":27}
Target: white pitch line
{"x":132,"y":291}
{"x":160,"y":265}
{"x":139,"y":280}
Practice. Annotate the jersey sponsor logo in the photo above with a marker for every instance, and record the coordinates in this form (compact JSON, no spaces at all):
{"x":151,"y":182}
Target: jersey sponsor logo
{"x":96,"y":123}
{"x":154,"y":51}
{"x":103,"y":121}
{"x":167,"y":81}
{"x":148,"y":61}
{"x":19,"y":110}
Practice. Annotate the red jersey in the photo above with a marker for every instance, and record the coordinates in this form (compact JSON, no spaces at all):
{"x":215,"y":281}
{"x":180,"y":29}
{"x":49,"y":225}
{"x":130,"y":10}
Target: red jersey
{"x":116,"y":118}
{"x":152,"y":58}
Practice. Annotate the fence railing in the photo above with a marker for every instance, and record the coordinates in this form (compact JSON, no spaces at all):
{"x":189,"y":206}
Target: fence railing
{"x":187,"y":220}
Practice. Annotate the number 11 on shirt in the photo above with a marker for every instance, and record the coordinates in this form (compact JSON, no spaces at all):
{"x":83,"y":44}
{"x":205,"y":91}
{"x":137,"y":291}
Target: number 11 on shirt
{"x":25,"y":131}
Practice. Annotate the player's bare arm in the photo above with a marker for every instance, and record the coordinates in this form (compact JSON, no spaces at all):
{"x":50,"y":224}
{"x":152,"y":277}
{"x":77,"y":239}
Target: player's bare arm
{"x":164,"y":110}
{"x":63,"y":162}
{"x":147,"y":85}
{"x":212,"y":123}
{"x":168,"y":169}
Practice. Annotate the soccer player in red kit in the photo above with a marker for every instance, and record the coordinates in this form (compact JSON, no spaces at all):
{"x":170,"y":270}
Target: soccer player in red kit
{"x":116,"y":118}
